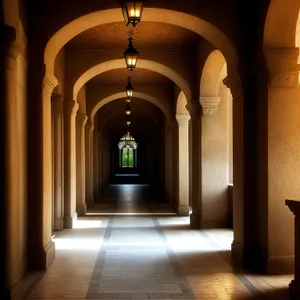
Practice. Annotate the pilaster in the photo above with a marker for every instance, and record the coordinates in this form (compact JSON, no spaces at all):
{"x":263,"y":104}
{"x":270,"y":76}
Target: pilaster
{"x":70,"y":110}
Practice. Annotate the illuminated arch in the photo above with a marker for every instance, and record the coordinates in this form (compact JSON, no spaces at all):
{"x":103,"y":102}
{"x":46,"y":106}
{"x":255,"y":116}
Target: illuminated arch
{"x":213,"y":71}
{"x":120,"y":95}
{"x":192,"y":23}
{"x":120,"y":63}
{"x":181,"y":105}
{"x":281,"y":28}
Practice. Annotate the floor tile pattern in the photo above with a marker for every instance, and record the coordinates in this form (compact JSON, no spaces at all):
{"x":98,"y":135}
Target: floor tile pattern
{"x":127,"y":269}
{"x":132,"y":246}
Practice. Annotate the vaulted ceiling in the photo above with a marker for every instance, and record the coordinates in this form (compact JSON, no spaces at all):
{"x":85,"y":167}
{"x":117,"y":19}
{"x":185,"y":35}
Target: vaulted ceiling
{"x":147,"y":35}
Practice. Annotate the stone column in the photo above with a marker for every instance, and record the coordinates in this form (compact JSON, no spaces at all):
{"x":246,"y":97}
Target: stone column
{"x":195,"y":163}
{"x":214,"y":162}
{"x":57,"y":110}
{"x":183,"y":205}
{"x":81,"y":120}
{"x":13,"y":171}
{"x":294,"y":206}
{"x":168,"y":161}
{"x":70,"y":110}
{"x":238,"y":248}
{"x":96,"y":165}
{"x":89,"y":181}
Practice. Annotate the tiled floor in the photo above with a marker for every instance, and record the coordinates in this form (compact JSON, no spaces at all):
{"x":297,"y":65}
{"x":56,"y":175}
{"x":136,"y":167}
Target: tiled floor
{"x":138,"y":249}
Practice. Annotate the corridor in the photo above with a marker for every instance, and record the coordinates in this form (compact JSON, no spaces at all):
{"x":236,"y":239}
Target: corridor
{"x":131,"y":245}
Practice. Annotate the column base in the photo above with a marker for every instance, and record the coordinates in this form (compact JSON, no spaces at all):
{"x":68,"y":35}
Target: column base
{"x":90,"y":201}
{"x":58,"y":224}
{"x":70,"y":220}
{"x":81,"y":209}
{"x":41,"y":258}
{"x":279,"y":265}
{"x":195,"y":221}
{"x":294,"y":290}
{"x":237,"y":254}
{"x":183,"y":210}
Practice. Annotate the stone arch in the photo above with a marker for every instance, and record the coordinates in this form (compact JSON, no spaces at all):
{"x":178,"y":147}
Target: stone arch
{"x":117,"y":96}
{"x":181,"y":104}
{"x":281,"y":28}
{"x":197,"y":25}
{"x":142,"y":63}
{"x":212,"y":73}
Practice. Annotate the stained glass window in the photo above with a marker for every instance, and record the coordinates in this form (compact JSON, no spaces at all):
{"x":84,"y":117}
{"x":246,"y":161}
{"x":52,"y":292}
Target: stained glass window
{"x":128,"y":147}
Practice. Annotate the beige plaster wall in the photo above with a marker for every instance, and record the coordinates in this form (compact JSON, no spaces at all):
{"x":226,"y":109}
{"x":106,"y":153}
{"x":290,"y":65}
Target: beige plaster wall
{"x":284,"y":170}
{"x":215,"y":165}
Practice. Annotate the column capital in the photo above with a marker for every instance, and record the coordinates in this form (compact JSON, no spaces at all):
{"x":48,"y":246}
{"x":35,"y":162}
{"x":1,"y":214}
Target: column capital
{"x":90,"y":126}
{"x":70,"y":108}
{"x":209,"y":105}
{"x":81,"y":120}
{"x":182,"y":119}
{"x":294,"y":206}
{"x":11,"y":46}
{"x":283,"y":66}
{"x":49,"y":83}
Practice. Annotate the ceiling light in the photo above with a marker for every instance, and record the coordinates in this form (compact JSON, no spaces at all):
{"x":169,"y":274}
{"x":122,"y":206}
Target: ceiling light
{"x":132,"y":11}
{"x":127,"y":109}
{"x":131,"y":55}
{"x":129,"y":89}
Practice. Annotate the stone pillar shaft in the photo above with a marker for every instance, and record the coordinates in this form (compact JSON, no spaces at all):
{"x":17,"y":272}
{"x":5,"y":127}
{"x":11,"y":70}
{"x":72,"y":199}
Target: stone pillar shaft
{"x":70,"y":110}
{"x":57,"y":110}
{"x":183,"y":205}
{"x":81,"y":120}
{"x":89,"y":182}
{"x":96,"y":164}
{"x":195,"y":162}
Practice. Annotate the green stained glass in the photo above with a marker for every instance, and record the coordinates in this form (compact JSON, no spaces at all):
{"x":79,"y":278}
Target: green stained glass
{"x":130,"y":158}
{"x":125,"y":157}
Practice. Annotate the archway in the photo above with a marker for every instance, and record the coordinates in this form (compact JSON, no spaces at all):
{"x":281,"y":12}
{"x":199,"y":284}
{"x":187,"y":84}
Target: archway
{"x":199,"y":26}
{"x":216,"y":102}
{"x":142,"y":63}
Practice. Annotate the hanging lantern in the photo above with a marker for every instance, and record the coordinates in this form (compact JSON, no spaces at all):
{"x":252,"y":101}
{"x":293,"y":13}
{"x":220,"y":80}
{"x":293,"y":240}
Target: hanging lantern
{"x":131,"y":55}
{"x":127,"y":109}
{"x":128,"y":100}
{"x":132,"y":11}
{"x":128,"y":123}
{"x":129,"y":89}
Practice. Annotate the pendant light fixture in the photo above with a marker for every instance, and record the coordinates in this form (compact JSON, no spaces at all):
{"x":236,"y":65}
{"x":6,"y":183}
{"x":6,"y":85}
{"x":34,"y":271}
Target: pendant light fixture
{"x":132,"y":11}
{"x":131,"y":55}
{"x":127,"y":109}
{"x":129,"y":89}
